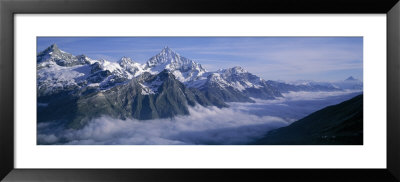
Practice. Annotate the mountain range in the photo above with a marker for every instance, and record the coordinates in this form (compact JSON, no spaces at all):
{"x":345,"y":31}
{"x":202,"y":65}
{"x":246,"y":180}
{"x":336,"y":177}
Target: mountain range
{"x":77,"y":88}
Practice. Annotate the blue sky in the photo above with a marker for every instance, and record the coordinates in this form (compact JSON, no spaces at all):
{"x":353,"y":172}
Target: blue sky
{"x":272,"y":58}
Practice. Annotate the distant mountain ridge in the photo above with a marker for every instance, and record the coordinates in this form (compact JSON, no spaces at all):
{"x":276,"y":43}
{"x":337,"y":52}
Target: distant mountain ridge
{"x":67,"y":80}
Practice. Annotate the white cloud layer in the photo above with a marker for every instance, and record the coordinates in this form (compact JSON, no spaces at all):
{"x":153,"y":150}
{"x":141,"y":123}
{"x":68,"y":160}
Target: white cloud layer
{"x":239,"y":124}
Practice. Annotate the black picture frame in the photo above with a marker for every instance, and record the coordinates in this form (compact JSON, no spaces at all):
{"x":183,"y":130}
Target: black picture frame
{"x":8,"y":8}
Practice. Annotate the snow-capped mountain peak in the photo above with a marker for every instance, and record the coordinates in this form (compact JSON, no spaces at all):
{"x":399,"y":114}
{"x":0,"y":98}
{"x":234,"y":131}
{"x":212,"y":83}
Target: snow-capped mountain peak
{"x":60,"y":71}
{"x":350,"y":78}
{"x":132,"y":67}
{"x":350,"y":83}
{"x":183,"y":68}
{"x":166,"y":56}
{"x":125,"y":60}
{"x":52,"y":48}
{"x":233,"y":70}
{"x":167,"y":50}
{"x":47,"y":53}
{"x":84,"y":59}
{"x":236,"y":77}
{"x":53,"y":55}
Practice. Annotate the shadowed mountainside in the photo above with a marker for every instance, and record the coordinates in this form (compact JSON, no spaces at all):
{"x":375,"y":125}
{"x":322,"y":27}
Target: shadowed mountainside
{"x":340,"y":124}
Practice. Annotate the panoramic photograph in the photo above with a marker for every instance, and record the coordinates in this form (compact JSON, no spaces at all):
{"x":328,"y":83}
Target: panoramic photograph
{"x":199,"y":90}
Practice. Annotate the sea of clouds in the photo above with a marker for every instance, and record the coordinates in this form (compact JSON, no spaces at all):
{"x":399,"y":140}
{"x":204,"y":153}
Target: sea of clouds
{"x":241,"y":123}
